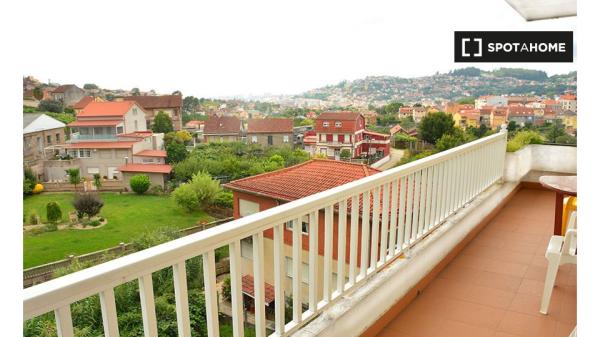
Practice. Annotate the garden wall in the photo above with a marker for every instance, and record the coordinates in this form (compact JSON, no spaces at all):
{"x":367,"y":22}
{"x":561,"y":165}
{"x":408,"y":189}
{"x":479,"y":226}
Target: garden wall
{"x":107,"y":186}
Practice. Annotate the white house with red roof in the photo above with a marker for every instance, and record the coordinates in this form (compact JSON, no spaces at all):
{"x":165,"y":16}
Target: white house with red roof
{"x":261,"y":192}
{"x":338,"y":131}
{"x":111,"y":139}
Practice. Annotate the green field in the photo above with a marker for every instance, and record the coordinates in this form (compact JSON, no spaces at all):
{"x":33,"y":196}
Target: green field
{"x":128,"y":216}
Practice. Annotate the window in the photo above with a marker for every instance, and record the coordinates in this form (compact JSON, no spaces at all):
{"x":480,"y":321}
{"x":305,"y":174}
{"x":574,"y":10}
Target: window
{"x":338,"y":124}
{"x":254,"y":139}
{"x":289,"y":265}
{"x":58,"y":137}
{"x":325,"y":124}
{"x":134,"y":111}
{"x":49,"y":139}
{"x":119,"y":129}
{"x":85,"y":153}
{"x":286,"y":139}
{"x":270,"y":140}
{"x":290,"y":225}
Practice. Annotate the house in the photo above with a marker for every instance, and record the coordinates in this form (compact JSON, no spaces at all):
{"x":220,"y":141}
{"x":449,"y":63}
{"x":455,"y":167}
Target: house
{"x":552,"y":104}
{"x":111,"y":139}
{"x":78,"y":107}
{"x":569,"y":120}
{"x":169,"y":104}
{"x":498,"y":116}
{"x":568,"y":102}
{"x":309,"y":142}
{"x":39,"y":132}
{"x":222,"y":129}
{"x":338,"y":131}
{"x":467,"y":118}
{"x":196,"y":129}
{"x":270,"y":131}
{"x":68,"y":94}
{"x":370,"y":117}
{"x":521,"y":115}
{"x":260,"y":192}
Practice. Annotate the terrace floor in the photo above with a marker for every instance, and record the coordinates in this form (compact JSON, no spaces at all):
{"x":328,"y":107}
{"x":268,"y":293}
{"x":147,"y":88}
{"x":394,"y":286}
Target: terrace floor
{"x":494,"y":286}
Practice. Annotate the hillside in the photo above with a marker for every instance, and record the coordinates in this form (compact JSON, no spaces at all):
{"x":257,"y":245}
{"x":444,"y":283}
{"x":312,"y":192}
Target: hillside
{"x":455,"y":84}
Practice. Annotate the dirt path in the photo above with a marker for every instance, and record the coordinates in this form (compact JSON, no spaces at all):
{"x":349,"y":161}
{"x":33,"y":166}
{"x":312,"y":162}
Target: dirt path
{"x":395,"y":156}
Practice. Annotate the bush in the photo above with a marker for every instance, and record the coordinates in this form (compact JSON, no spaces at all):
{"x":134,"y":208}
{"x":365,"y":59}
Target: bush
{"x":205,"y":187}
{"x":51,"y":106}
{"x":34,"y":219}
{"x":29,"y":181}
{"x":523,"y":138}
{"x":53,"y":212}
{"x":95,"y":223}
{"x":156,"y":190}
{"x":139,"y":183}
{"x":224,"y":199}
{"x":87,"y":204}
{"x":226,"y":292}
{"x":185,"y":197}
{"x":97,"y":180}
{"x":345,"y":154}
{"x":51,"y":227}
{"x":74,"y":176}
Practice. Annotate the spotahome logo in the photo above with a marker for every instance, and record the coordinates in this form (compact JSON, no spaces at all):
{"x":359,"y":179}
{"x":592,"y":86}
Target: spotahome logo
{"x":513,"y":46}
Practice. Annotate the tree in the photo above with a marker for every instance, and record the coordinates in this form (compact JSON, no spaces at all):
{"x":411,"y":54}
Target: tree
{"x":139,"y":183}
{"x":185,"y":196}
{"x":512,"y":126}
{"x":162,"y":123}
{"x":190,"y":104}
{"x":176,"y":92}
{"x":90,"y":86}
{"x":53,"y":212}
{"x":434,"y":126}
{"x":74,"y":176}
{"x":205,"y":187}
{"x":554,"y":133}
{"x":97,"y":180}
{"x":448,"y":141}
{"x":135,"y":92}
{"x":51,"y":106}
{"x":29,"y":181}
{"x":345,"y":154}
{"x":38,"y":93}
{"x":176,"y":152}
{"x":307,"y":122}
{"x":87,"y":204}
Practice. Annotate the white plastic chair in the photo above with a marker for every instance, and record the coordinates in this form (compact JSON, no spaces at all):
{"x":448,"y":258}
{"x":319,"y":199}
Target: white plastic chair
{"x":561,"y":250}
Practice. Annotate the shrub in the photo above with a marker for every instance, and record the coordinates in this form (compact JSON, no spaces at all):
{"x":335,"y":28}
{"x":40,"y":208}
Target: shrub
{"x":205,"y":187}
{"x":226,"y":292}
{"x":51,"y":106}
{"x":38,"y":188}
{"x":345,"y":154}
{"x":34,"y":219}
{"x":97,"y":180}
{"x":523,"y":138}
{"x":87,"y":204}
{"x":156,"y":190}
{"x":29,"y":181}
{"x":51,"y":227}
{"x":185,"y":197}
{"x":139,"y":183}
{"x":224,"y":199}
{"x":74,"y":176}
{"x":94,"y":223}
{"x":53,"y":212}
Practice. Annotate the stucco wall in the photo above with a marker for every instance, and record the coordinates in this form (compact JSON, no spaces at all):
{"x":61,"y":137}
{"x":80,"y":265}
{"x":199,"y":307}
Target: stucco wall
{"x":155,"y":178}
{"x":262,"y":138}
{"x":537,"y":157}
{"x":131,"y":117}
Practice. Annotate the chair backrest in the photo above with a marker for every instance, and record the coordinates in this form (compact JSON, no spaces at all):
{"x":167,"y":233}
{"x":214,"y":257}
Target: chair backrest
{"x":570,"y":243}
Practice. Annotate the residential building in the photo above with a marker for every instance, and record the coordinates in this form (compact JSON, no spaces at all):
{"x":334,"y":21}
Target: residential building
{"x":521,"y":114}
{"x":568,"y":102}
{"x":169,"y":104}
{"x":68,"y":94}
{"x":553,"y":105}
{"x":467,"y":118}
{"x":39,"y":132}
{"x":261,"y":192}
{"x":196,"y":129}
{"x":270,"y":131}
{"x":79,"y":106}
{"x":111,"y":139}
{"x":569,"y":120}
{"x":520,"y":100}
{"x":337,"y":131}
{"x":370,"y":117}
{"x":498,"y":116}
{"x":222,"y":129}
{"x":309,"y":142}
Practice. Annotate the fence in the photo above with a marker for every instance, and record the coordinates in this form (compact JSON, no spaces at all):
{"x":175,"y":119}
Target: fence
{"x":396,"y":209}
{"x":107,"y":185}
{"x":47,"y":271}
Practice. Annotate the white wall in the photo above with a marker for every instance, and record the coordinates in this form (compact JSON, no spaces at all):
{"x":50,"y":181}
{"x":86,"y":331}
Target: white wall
{"x":551,"y":158}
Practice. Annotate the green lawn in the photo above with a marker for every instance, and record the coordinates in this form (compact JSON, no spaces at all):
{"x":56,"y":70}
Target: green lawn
{"x":128,"y":216}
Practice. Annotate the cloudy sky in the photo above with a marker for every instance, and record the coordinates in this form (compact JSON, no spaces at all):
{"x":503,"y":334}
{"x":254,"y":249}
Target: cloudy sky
{"x":227,"y":48}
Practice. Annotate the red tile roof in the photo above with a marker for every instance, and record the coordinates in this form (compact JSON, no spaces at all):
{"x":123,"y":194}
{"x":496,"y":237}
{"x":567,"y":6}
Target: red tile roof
{"x":64,"y":88}
{"x":104,"y":109}
{"x":248,"y":289}
{"x":194,"y":124}
{"x":102,"y":145}
{"x":147,"y":168}
{"x":137,"y":134}
{"x":83,"y":102}
{"x":369,"y":132}
{"x":520,"y":111}
{"x":222,"y":125}
{"x":157,"y":102}
{"x":108,"y":122}
{"x":302,"y":180}
{"x":341,"y":116}
{"x":271,"y":125}
{"x":151,"y":153}
{"x":568,"y":97}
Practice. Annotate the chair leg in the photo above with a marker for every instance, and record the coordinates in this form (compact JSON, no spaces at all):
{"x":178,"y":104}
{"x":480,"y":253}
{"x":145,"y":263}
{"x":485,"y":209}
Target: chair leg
{"x":553,"y":265}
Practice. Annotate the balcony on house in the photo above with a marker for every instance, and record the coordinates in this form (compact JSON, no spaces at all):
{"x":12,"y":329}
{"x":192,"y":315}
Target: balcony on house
{"x":452,"y":244}
{"x":83,"y":133}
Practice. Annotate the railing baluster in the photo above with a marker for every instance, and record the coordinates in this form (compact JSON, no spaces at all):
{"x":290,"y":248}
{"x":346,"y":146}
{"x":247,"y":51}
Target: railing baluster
{"x":258,"y":254}
{"x":423,"y":202}
{"x":416,"y":201}
{"x":364,"y":238}
{"x":393,"y":219}
{"x":437,"y":196}
{"x":64,"y":323}
{"x":375,"y":227}
{"x":210,"y":292}
{"x":181,"y":299}
{"x":431,"y":197}
{"x":313,"y":248}
{"x":341,"y":251}
{"x":147,"y":302}
{"x":385,"y":215}
{"x":237,"y":301}
{"x":410,"y":188}
{"x":353,"y":240}
{"x":296,"y":270}
{"x":328,"y":254}
{"x":109,"y":313}
{"x":401,"y":214}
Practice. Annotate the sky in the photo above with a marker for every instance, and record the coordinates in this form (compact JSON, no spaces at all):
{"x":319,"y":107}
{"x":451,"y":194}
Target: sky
{"x":234,"y":48}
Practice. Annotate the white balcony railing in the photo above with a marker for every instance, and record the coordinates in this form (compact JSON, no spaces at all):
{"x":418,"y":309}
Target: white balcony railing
{"x":408,"y":202}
